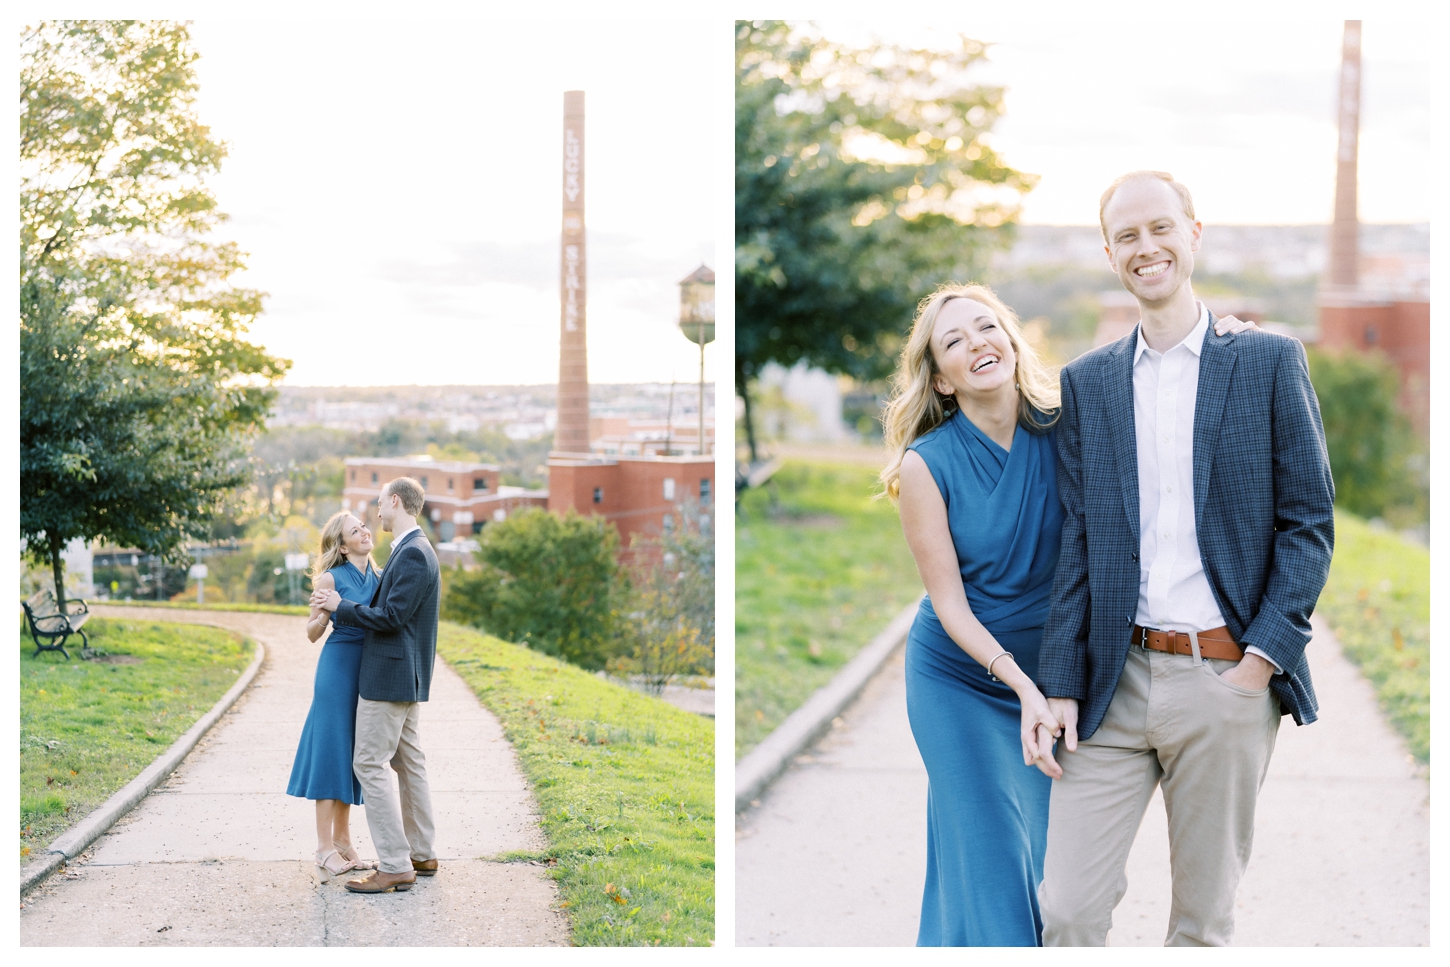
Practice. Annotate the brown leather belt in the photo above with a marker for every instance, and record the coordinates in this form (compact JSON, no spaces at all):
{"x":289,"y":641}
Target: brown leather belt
{"x":1213,"y":643}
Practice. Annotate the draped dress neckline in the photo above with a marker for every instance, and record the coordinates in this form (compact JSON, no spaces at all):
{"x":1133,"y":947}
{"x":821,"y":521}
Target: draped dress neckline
{"x":1002,"y":528}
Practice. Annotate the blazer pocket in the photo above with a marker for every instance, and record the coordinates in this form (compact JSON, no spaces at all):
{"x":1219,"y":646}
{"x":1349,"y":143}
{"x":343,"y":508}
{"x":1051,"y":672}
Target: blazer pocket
{"x":391,"y":650}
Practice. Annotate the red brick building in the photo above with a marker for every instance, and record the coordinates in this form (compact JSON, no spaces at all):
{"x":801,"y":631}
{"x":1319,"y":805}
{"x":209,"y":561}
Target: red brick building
{"x":459,"y":497}
{"x":1351,"y":319}
{"x":640,"y":495}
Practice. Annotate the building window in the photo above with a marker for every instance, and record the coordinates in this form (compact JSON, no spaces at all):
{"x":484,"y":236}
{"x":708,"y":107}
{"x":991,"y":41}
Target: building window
{"x":599,"y":495}
{"x":669,"y":523}
{"x":424,"y":482}
{"x":704,"y":489}
{"x":669,"y":488}
{"x":450,"y":484}
{"x":478,"y":527}
{"x":1370,"y":336}
{"x":480,"y":484}
{"x":375,"y":476}
{"x":352,"y":475}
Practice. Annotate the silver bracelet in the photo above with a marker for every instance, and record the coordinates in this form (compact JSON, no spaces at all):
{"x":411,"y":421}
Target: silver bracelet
{"x":1003,"y":653}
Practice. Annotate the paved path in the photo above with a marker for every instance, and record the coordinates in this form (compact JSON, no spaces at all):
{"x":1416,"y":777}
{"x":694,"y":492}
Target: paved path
{"x":836,"y":852}
{"x":220,"y":855}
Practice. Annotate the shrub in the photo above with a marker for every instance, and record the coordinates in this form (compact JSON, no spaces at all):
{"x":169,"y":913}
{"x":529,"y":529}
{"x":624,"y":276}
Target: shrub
{"x":548,"y":582}
{"x":1368,"y":437}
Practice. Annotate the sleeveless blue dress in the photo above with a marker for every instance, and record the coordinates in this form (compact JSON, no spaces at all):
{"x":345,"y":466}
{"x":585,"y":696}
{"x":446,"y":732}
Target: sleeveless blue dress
{"x":323,"y":766}
{"x":986,"y":811}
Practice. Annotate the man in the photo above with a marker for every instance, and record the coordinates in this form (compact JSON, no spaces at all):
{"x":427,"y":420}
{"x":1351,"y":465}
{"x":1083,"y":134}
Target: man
{"x":400,"y":637}
{"x":1200,"y":523}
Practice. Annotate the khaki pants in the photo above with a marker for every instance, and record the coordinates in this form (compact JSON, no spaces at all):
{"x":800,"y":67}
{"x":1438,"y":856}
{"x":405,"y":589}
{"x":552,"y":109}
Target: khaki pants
{"x":1172,"y":720}
{"x":387,"y":734}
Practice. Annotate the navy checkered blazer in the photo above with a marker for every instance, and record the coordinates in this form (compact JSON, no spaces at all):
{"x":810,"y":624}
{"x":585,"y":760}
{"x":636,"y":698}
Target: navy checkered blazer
{"x":400,"y":625}
{"x":1263,"y":502}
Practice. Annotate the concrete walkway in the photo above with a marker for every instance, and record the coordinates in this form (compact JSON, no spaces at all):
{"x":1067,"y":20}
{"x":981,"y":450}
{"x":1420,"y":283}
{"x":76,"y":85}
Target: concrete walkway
{"x":220,"y":855}
{"x":835,"y":853}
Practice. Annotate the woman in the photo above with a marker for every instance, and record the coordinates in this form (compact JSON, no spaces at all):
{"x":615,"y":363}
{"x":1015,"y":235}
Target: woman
{"x":974,"y":468}
{"x":323,"y":767}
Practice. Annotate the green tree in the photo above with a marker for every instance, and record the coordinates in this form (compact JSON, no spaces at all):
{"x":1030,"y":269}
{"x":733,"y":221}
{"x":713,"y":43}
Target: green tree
{"x":138,"y":388}
{"x":670,"y":629}
{"x":549,"y":582}
{"x":862,"y":181}
{"x":1367,"y":434}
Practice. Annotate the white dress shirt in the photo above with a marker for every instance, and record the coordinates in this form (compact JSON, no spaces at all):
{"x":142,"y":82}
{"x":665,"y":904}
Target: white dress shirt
{"x":1173,"y":590}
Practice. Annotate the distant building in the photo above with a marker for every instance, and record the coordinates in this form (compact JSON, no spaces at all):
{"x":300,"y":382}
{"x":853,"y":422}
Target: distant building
{"x":460,"y":497}
{"x":1118,"y":316}
{"x":813,"y":410}
{"x":634,"y":436}
{"x":640,"y":495}
{"x":1399,"y":328}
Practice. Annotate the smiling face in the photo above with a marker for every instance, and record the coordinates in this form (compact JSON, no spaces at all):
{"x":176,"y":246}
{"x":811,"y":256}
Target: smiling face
{"x":1151,"y":239}
{"x":356,"y":538}
{"x":973,"y":354}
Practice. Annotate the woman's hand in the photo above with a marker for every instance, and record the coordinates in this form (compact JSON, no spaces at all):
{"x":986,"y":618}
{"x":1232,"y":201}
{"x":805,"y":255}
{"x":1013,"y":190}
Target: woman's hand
{"x":1039,"y":729}
{"x":1229,"y":324}
{"x":318,"y":619}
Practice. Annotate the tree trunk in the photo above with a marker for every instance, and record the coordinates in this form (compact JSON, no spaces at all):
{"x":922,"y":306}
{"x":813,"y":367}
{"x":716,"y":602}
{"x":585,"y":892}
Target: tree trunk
{"x":57,"y":567}
{"x":742,"y":384}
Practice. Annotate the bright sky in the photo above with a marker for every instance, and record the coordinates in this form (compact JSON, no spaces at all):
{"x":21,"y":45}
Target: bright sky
{"x":1239,"y":108}
{"x":403,"y":180}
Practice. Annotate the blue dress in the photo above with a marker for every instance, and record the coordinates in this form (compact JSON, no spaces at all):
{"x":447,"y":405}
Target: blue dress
{"x":323,"y":767}
{"x":986,"y":811}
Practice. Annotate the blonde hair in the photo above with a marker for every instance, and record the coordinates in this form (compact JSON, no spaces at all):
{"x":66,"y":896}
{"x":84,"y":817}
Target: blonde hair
{"x":409,"y":491}
{"x":1182,"y":192}
{"x":916,"y":408}
{"x":330,"y":551}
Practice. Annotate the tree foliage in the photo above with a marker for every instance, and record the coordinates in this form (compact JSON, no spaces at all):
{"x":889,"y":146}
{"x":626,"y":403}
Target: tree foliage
{"x":863,"y":179}
{"x":549,"y":582}
{"x":1367,"y":434}
{"x":139,"y":390}
{"x":671,"y":616}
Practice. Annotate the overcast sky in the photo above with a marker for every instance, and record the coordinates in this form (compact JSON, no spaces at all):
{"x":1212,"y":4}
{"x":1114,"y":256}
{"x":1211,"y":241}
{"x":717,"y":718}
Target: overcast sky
{"x":403,"y":179}
{"x":1240,"y":108}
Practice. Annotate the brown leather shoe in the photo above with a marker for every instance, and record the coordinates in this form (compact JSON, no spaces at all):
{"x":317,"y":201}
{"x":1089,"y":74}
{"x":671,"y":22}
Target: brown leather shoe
{"x":379,"y":882}
{"x":425,"y":867}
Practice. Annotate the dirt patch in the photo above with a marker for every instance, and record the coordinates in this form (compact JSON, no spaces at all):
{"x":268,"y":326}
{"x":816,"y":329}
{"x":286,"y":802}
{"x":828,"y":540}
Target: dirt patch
{"x":814,"y":521}
{"x":117,"y":659}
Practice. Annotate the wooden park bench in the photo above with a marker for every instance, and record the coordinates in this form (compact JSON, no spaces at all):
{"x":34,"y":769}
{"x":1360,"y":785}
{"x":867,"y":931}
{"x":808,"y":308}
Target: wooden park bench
{"x":51,"y":625}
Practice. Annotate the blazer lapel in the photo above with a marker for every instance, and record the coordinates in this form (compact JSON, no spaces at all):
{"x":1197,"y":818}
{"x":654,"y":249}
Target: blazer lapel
{"x":1118,"y":402}
{"x":1215,"y":372}
{"x":383,"y":574}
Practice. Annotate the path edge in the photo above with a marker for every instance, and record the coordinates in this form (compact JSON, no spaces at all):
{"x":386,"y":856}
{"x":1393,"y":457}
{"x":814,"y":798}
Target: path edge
{"x":763,"y":764}
{"x":71,"y":843}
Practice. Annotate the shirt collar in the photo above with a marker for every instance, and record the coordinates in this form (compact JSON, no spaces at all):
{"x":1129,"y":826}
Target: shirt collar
{"x":1194,"y":339}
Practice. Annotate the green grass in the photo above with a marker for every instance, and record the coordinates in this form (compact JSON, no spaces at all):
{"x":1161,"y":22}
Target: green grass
{"x":89,"y":727}
{"x":625,"y":784}
{"x":1378,"y":603}
{"x":211,"y":606}
{"x":820,"y":569}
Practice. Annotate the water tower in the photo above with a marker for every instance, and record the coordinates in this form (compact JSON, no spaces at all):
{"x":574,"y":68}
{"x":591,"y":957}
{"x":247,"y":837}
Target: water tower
{"x":697,"y":322}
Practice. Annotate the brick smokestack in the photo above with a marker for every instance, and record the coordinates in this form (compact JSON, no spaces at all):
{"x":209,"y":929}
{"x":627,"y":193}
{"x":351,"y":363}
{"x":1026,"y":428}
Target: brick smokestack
{"x":1344,"y":236}
{"x":571,"y":434}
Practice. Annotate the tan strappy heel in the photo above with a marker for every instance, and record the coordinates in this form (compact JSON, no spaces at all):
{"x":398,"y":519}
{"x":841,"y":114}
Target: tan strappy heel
{"x":331,"y":864}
